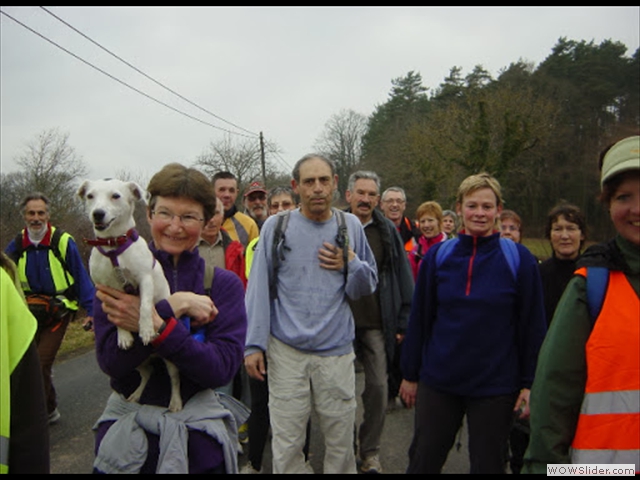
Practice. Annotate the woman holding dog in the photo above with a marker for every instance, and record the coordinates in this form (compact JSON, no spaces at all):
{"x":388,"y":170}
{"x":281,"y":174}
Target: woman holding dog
{"x":202,"y":437}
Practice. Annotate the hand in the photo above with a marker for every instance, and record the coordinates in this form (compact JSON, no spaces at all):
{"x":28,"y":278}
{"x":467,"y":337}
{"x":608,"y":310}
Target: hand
{"x":87,"y":324}
{"x":200,"y":308}
{"x":408,"y":392}
{"x":331,"y":257}
{"x":255,"y":365}
{"x":122,"y":309}
{"x":523,"y":401}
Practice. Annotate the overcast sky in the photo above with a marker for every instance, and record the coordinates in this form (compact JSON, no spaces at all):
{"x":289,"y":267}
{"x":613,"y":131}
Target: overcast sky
{"x":283,"y":71}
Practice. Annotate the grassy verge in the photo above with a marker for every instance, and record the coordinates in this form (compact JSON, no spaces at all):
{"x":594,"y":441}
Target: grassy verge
{"x":76,"y":341}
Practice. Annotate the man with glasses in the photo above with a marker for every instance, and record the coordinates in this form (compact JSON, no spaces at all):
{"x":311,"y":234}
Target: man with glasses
{"x":255,"y":203}
{"x":393,"y":205}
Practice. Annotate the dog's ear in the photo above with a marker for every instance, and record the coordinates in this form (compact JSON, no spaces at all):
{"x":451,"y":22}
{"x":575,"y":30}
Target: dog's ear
{"x":82,"y":191}
{"x":138,"y":192}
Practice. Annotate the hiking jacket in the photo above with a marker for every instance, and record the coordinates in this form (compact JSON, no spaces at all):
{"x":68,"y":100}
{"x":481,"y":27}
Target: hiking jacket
{"x":395,"y":284}
{"x":202,"y":365}
{"x":566,"y":363}
{"x":240,"y":226}
{"x":24,"y":424}
{"x":40,"y":267}
{"x":420,"y":249}
{"x":474,"y":330}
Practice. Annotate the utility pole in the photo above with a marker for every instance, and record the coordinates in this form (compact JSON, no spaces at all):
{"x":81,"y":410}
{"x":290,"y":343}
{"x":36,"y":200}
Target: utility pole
{"x":264,"y":173}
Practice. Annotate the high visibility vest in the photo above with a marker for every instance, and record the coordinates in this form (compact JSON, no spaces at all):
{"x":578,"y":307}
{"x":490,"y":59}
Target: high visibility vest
{"x":17,"y":330}
{"x":608,"y":429}
{"x":62,"y":279}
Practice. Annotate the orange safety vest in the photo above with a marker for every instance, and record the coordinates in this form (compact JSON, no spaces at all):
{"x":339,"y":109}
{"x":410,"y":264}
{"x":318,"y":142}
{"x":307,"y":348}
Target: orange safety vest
{"x":608,"y":429}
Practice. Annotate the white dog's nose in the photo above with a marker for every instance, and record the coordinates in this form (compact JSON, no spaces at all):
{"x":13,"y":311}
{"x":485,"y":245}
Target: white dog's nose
{"x":98,"y":215}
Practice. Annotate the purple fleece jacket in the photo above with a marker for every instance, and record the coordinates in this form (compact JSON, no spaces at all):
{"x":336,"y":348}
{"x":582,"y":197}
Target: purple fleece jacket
{"x":209,"y":364}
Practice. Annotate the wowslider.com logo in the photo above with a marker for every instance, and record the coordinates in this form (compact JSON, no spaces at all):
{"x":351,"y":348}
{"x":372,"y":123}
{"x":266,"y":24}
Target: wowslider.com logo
{"x":603,"y":469}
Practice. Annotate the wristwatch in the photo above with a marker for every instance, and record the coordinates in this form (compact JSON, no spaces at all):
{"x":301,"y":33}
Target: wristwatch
{"x":160,"y":330}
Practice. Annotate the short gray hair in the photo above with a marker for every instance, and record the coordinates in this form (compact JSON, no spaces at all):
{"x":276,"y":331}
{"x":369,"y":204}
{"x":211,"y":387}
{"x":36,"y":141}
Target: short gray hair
{"x":363,"y":175}
{"x":400,"y":190}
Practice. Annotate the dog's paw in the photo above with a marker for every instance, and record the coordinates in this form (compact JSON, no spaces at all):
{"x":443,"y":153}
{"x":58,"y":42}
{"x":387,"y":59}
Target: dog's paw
{"x":135,"y":396}
{"x":125,"y":339}
{"x":147,"y":333}
{"x":175,"y":405}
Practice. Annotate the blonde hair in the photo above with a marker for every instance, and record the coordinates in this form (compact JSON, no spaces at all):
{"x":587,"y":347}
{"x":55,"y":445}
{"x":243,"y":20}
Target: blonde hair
{"x":477,"y":182}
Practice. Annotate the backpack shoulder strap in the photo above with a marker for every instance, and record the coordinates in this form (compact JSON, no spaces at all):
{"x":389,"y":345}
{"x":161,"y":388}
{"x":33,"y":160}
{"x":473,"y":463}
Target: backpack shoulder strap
{"x":597,"y":279}
{"x":444,"y":249}
{"x":18,"y":250}
{"x":277,"y":251}
{"x":342,"y":240}
{"x":512,"y":255}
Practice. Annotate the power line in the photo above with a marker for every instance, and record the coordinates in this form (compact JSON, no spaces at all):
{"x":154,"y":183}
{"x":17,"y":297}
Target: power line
{"x":144,"y":74}
{"x":120,"y":81}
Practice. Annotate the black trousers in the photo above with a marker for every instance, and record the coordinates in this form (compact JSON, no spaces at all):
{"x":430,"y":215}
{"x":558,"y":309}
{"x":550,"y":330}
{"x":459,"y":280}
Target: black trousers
{"x":439,"y":417}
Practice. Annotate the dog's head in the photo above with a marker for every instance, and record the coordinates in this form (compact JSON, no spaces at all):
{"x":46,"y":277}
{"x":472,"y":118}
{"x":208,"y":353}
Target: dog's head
{"x":110,"y":204}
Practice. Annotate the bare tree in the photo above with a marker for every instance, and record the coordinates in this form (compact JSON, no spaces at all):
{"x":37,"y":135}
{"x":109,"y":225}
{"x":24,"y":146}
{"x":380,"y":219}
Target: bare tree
{"x":50,"y":165}
{"x":341,"y":140}
{"x":243,"y":159}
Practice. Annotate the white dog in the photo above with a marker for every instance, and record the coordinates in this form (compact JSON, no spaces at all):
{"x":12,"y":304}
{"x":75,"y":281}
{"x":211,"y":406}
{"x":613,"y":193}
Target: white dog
{"x":122,"y":260}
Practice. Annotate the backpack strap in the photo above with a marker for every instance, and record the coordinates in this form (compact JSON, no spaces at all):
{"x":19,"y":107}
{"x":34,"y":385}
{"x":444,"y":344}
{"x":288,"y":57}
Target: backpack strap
{"x":512,"y":255}
{"x":444,"y":249}
{"x":277,"y":251}
{"x":597,"y":282}
{"x":508,"y":247}
{"x":342,"y":240}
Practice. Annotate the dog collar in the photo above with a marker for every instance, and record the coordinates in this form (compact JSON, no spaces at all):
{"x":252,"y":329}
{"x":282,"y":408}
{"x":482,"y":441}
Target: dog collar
{"x":130,"y":236}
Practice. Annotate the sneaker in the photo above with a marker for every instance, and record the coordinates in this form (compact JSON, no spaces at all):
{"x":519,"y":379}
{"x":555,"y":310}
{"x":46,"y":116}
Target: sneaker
{"x":248,"y":469}
{"x":54,"y":416}
{"x":371,"y":465}
{"x":243,"y":433}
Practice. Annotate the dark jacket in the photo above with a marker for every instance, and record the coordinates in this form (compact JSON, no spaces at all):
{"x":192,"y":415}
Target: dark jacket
{"x":474,"y":330}
{"x":395,"y":283}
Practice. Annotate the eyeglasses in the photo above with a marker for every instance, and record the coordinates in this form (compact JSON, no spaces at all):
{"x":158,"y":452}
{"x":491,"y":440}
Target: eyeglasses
{"x":286,"y":205}
{"x":188,"y":219}
{"x":399,"y":201}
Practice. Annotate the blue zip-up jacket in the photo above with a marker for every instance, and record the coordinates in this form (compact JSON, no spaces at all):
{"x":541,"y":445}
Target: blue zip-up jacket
{"x":473,"y":329}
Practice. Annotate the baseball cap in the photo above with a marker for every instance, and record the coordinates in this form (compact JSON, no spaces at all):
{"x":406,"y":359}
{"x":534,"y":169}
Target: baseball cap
{"x":255,"y":187}
{"x":622,"y":156}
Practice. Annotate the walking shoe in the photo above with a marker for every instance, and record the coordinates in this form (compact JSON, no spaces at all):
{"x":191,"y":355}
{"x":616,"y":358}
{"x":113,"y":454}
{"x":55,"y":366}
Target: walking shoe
{"x":371,"y":465}
{"x":54,"y":416}
{"x":248,"y":469}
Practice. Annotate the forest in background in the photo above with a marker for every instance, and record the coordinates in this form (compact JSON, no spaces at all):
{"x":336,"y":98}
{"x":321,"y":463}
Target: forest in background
{"x":538,"y":129}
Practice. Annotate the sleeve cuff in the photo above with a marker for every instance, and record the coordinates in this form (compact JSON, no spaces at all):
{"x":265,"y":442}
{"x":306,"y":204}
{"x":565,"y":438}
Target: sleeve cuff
{"x":164,"y":333}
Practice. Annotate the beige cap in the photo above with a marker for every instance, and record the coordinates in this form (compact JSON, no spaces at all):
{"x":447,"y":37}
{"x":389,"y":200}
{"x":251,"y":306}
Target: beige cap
{"x":623,"y":156}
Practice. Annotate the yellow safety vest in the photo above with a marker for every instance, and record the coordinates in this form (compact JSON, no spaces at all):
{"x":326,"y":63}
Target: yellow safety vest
{"x":62,"y":279}
{"x":17,"y":330}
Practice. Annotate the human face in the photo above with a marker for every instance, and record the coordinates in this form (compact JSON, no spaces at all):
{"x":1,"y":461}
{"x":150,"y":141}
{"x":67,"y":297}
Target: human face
{"x":315,"y":189}
{"x":510,"y":229}
{"x":280,"y":203}
{"x":256,"y":204}
{"x":173,"y":236}
{"x":429,"y":225}
{"x":393,"y":207}
{"x":565,"y":237}
{"x":36,"y":215}
{"x":363,"y":199}
{"x":226,"y":190}
{"x":624,"y":209}
{"x":448,"y":225}
{"x":479,"y":210}
{"x":212,"y":228}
